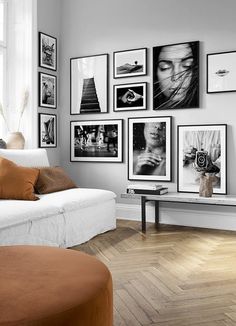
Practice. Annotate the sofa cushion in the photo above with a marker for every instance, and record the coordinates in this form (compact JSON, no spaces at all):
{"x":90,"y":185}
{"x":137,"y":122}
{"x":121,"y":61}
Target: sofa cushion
{"x":52,"y":179}
{"x":27,"y":157}
{"x":17,"y":182}
{"x":72,"y":199}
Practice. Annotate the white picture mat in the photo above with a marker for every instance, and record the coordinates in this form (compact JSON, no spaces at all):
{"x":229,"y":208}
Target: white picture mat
{"x":191,"y":174}
{"x":222,"y":62}
{"x":132,"y":176}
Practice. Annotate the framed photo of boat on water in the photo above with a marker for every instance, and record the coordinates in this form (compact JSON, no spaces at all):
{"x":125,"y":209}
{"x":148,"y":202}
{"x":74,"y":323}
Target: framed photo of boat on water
{"x":130,"y":63}
{"x":89,"y":84}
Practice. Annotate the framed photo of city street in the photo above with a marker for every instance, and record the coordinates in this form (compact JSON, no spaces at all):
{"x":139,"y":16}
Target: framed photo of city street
{"x":47,"y":130}
{"x":176,"y":76}
{"x":149,"y":148}
{"x":47,"y":51}
{"x":130,"y":63}
{"x":130,"y":97}
{"x":221,"y":72}
{"x":202,"y":149}
{"x":96,"y":141}
{"x":89,"y":84}
{"x":47,"y":91}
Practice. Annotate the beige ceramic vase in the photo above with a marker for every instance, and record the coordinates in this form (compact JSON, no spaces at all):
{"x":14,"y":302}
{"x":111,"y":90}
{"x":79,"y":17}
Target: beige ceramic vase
{"x":15,"y":140}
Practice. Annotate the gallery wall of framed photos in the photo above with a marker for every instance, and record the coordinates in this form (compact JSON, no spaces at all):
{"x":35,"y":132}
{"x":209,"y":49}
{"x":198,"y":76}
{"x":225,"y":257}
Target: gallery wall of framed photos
{"x":148,"y":141}
{"x":47,"y":90}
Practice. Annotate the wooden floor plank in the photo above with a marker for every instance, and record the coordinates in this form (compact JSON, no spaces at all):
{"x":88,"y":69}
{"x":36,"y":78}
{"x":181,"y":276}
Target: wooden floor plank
{"x":170,"y":276}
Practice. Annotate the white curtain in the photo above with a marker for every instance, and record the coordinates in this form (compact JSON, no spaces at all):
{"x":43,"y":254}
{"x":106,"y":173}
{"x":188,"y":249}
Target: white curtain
{"x":22,"y":68}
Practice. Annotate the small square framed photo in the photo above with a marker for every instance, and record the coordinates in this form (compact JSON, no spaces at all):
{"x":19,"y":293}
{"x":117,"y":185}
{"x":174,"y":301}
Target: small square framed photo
{"x":47,"y":51}
{"x":202,"y":146}
{"x":130,"y":63}
{"x":96,"y":141}
{"x":89,"y":84}
{"x":47,"y":91}
{"x":221,"y":72}
{"x":130,"y":97}
{"x":149,"y":149}
{"x":47,"y":130}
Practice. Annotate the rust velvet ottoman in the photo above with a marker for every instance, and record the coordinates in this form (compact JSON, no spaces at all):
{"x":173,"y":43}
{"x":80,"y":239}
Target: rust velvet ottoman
{"x":54,"y":287}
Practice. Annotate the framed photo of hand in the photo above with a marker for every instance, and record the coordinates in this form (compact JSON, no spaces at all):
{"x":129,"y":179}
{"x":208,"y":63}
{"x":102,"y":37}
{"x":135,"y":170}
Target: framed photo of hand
{"x":150,"y":149}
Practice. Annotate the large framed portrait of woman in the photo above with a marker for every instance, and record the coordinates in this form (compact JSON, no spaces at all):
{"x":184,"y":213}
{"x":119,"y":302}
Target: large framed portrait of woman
{"x":202,"y":150}
{"x":149,"y":148}
{"x":176,"y":76}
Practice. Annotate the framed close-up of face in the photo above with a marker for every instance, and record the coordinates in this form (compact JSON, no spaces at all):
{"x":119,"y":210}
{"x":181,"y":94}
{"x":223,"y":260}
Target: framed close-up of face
{"x":221,"y":72}
{"x":202,"y":147}
{"x":149,"y":149}
{"x":176,"y":76}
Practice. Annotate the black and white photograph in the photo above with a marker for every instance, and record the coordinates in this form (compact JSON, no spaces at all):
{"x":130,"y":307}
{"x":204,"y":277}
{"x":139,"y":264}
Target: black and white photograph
{"x":47,"y":51}
{"x":221,"y":72}
{"x":89,"y":84}
{"x":130,"y":97}
{"x":96,"y":141}
{"x":150,"y":149}
{"x":130,"y":63}
{"x":47,"y":91}
{"x":176,"y":76}
{"x":202,"y":149}
{"x":47,"y":130}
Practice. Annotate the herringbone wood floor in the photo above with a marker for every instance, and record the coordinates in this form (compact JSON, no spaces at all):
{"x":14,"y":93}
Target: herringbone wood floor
{"x":172,"y":276}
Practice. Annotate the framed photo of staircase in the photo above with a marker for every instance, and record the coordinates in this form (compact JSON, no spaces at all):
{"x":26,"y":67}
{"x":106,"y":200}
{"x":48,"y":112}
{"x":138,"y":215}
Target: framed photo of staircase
{"x":89,"y":84}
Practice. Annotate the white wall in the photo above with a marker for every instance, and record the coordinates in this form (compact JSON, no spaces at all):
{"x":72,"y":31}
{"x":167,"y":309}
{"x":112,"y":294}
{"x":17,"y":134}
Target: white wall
{"x":91,"y":27}
{"x":49,"y":19}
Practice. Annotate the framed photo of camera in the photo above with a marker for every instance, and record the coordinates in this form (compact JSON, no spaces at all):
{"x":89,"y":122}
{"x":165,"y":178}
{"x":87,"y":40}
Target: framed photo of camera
{"x":202,"y":149}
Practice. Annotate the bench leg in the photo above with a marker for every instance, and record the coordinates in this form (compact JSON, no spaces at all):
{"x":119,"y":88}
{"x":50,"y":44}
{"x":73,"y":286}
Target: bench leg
{"x":143,"y":213}
{"x":156,"y":213}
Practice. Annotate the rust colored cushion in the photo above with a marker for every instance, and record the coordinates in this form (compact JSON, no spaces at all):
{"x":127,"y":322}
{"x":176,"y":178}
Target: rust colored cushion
{"x":17,"y":182}
{"x":46,"y":286}
{"x":52,"y":179}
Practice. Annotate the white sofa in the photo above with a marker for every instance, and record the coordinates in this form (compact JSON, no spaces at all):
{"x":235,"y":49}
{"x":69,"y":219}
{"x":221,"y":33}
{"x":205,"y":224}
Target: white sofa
{"x":64,"y":219}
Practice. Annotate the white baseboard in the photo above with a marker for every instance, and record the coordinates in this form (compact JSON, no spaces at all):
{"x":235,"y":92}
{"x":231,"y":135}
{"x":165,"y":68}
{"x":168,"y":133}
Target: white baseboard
{"x":223,"y":218}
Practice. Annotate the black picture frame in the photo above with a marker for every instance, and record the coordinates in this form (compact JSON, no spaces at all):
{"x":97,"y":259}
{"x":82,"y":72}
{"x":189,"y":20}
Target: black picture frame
{"x":96,"y":141}
{"x":211,"y":138}
{"x":130,"y":97}
{"x":176,"y":76}
{"x":89,"y":84}
{"x":47,"y":51}
{"x":221,"y":72}
{"x":150,"y":148}
{"x":47,"y":90}
{"x":47,"y":128}
{"x":130,"y":63}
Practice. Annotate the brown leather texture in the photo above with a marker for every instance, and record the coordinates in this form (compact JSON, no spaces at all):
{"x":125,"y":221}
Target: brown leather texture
{"x":52,"y":179}
{"x":17,"y":182}
{"x":48,"y":286}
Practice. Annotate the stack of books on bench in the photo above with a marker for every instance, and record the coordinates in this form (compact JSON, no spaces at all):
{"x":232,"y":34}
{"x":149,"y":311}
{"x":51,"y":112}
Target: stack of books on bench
{"x":146,"y":189}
